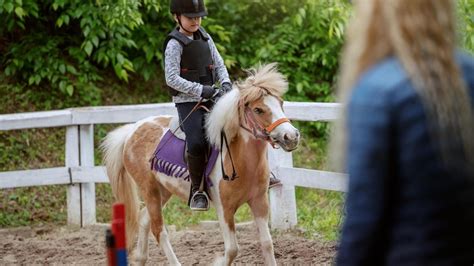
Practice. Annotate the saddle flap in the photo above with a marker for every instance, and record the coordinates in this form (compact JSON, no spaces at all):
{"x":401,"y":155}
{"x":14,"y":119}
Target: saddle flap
{"x":168,"y":158}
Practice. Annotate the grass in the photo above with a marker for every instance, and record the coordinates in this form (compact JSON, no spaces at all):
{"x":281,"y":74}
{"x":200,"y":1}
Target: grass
{"x":318,"y":211}
{"x":33,"y":206}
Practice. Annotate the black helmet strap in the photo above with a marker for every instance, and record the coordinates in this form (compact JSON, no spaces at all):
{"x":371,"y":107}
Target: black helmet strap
{"x":178,"y":16}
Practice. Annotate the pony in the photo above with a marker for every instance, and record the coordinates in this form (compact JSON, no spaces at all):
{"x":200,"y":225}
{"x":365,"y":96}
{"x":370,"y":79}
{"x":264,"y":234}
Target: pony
{"x":251,"y":116}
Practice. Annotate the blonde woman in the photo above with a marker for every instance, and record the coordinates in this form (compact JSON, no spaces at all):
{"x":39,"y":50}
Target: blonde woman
{"x":408,"y":137}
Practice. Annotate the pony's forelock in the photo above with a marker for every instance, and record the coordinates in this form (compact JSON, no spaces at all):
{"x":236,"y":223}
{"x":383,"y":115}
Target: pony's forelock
{"x":263,"y":79}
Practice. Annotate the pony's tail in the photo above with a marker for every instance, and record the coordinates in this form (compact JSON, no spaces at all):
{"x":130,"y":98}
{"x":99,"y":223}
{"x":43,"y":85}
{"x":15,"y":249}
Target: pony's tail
{"x":123,"y":186}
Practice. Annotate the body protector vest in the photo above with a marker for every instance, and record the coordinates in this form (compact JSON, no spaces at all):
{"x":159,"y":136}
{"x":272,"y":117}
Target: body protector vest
{"x":196,"y":60}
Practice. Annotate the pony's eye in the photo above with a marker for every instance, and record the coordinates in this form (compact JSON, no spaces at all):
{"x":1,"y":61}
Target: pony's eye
{"x":258,"y":111}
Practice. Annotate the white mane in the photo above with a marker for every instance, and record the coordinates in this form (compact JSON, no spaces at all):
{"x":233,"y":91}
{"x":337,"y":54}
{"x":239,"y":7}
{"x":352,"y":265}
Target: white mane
{"x":225,"y":116}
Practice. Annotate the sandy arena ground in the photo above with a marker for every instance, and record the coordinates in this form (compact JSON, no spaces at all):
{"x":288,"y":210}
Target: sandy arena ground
{"x":199,"y":245}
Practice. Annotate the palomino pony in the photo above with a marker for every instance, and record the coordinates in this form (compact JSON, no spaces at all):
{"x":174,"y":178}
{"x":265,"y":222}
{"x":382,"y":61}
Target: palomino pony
{"x":251,"y":115}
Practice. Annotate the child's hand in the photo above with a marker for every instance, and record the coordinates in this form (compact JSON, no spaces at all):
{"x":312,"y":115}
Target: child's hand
{"x":207,"y":92}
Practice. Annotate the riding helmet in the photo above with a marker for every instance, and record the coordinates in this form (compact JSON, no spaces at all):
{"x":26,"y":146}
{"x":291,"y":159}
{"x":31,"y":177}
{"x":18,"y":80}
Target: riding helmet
{"x":188,"y":8}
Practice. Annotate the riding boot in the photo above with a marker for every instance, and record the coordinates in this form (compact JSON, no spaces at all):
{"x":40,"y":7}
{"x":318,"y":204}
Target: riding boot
{"x":198,"y":200}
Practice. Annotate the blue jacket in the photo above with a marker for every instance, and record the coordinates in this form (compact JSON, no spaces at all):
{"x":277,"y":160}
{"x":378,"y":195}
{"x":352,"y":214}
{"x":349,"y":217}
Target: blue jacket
{"x":403,"y":206}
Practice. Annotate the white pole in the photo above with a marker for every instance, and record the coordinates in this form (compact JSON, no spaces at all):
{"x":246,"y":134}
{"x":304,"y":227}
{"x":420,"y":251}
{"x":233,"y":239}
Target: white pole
{"x":282,"y":198}
{"x":88,"y":210}
{"x":73,"y":191}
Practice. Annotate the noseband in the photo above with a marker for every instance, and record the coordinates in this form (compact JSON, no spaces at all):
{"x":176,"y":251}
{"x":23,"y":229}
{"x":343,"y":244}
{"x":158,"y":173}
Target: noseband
{"x":257,"y":129}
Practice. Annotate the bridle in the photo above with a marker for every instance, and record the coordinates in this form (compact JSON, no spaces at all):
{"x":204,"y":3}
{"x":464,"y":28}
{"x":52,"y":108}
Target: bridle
{"x":256,"y":128}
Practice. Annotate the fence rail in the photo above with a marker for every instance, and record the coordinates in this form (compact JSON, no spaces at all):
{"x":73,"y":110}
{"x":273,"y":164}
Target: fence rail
{"x":80,"y":174}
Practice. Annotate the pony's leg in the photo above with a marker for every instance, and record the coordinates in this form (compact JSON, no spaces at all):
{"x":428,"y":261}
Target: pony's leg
{"x":164,"y":239}
{"x":140,"y":254}
{"x":160,"y":232}
{"x":227,"y":224}
{"x":259,"y":207}
{"x":154,"y":200}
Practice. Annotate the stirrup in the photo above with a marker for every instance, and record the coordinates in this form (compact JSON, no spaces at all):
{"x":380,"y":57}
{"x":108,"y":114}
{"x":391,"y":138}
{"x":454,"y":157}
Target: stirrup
{"x":273,"y":181}
{"x":192,"y":203}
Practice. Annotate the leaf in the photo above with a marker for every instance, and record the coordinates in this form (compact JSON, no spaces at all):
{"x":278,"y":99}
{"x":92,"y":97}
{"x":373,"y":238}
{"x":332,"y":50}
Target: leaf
{"x":86,"y":31}
{"x":120,"y":58}
{"x":59,"y":22}
{"x":62,"y":85}
{"x":71,"y":69}
{"x":20,"y":12}
{"x":70,"y":89}
{"x":66,"y":19}
{"x":88,"y":48}
{"x":8,"y":71}
{"x":101,"y":34}
{"x":9,"y":7}
{"x":299,"y":87}
{"x":20,"y":24}
{"x":77,"y":13}
{"x":62,"y":68}
{"x":124,"y":75}
{"x":299,"y":20}
{"x":128,"y":66}
{"x":95,"y":41}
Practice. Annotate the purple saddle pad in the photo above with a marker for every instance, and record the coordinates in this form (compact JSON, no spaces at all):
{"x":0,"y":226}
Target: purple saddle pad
{"x":169,"y":158}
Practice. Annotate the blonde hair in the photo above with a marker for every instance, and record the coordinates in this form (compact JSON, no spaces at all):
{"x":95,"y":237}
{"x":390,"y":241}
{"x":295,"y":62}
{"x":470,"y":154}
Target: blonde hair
{"x":421,"y":34}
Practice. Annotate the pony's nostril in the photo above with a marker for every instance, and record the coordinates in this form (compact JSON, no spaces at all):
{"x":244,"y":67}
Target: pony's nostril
{"x":285,"y":137}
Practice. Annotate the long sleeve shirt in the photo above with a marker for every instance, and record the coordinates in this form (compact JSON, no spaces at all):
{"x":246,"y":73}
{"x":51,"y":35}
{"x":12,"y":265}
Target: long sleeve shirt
{"x":403,"y":206}
{"x":190,"y":91}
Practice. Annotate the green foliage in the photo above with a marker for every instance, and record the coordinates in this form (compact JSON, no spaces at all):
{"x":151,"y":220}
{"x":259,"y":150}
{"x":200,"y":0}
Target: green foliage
{"x":466,"y":27}
{"x":70,"y":44}
{"x":64,"y":44}
{"x":26,"y":206}
{"x":304,"y":37}
{"x":319,"y":212}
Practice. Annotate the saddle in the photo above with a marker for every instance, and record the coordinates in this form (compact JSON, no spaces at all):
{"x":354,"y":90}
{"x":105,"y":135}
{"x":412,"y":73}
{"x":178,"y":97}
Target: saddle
{"x":169,"y":157}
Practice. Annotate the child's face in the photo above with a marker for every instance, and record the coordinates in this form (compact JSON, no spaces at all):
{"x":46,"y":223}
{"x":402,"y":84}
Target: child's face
{"x":190,"y":24}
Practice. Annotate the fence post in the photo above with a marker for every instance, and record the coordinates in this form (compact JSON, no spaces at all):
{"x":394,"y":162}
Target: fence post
{"x":88,"y":204}
{"x":282,"y":198}
{"x":73,"y":190}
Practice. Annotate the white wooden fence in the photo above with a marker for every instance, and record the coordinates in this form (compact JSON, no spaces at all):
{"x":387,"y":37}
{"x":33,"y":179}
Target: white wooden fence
{"x":80,"y":174}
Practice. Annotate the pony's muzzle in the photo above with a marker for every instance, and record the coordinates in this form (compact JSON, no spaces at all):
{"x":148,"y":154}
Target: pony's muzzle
{"x":289,"y":140}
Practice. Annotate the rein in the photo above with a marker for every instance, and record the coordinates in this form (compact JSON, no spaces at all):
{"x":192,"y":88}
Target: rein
{"x":198,"y":105}
{"x":234,"y":173}
{"x":223,"y":137}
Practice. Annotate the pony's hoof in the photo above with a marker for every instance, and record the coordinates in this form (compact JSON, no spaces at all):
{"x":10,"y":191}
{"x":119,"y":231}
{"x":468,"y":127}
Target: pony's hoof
{"x":219,"y":261}
{"x":137,"y":259}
